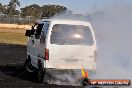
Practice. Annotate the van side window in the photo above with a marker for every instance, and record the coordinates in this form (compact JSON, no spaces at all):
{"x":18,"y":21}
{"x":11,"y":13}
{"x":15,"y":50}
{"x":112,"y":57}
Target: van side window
{"x":38,"y":31}
{"x":44,"y":32}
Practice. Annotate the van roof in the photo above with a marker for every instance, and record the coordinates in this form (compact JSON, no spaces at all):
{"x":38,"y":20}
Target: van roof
{"x":66,"y":20}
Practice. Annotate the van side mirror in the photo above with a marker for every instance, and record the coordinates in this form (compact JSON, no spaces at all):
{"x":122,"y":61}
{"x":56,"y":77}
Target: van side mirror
{"x":29,"y":32}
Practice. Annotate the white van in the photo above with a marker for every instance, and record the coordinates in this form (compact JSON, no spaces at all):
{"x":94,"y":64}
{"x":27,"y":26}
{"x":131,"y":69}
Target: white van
{"x":60,"y":44}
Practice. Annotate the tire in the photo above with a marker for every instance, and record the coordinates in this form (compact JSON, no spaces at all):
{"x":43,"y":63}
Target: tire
{"x":40,"y":73}
{"x":86,"y":82}
{"x":28,"y":66}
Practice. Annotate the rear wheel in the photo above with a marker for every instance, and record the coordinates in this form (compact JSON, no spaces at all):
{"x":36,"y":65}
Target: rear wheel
{"x":86,"y":82}
{"x":28,"y":66}
{"x":40,"y":73}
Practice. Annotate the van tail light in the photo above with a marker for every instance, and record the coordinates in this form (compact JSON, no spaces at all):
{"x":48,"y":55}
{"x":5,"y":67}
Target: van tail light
{"x":46,"y":54}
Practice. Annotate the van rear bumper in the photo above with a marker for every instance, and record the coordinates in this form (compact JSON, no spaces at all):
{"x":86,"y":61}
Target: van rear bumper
{"x":67,"y":64}
{"x":68,"y":71}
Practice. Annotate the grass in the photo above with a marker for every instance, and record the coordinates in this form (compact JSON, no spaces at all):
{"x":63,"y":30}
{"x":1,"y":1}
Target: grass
{"x":13,"y":38}
{"x":11,"y":30}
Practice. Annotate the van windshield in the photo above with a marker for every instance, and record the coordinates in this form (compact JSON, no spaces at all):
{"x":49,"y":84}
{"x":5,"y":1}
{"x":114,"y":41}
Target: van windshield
{"x":64,"y":34}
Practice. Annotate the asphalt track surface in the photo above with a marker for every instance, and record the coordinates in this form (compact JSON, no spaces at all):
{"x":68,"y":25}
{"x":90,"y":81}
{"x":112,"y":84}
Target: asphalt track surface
{"x":12,"y":72}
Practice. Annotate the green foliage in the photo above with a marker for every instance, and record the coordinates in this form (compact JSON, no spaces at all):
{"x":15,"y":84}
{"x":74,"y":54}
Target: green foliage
{"x":32,"y":10}
{"x":51,"y":10}
{"x":11,"y":7}
{"x":2,"y":8}
{"x":44,"y":11}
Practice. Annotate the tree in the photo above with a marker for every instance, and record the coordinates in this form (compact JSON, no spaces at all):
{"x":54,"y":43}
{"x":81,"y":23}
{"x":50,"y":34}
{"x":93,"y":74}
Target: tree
{"x":32,"y":10}
{"x":2,"y":8}
{"x":11,"y":7}
{"x":44,"y":11}
{"x":51,"y":10}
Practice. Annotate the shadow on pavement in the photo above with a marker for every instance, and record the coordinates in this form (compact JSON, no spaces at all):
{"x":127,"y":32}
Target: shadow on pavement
{"x":18,"y":72}
{"x":12,"y":72}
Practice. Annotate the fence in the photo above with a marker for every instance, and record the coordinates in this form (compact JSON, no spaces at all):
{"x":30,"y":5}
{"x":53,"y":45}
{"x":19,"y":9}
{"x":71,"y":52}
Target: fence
{"x":16,"y":19}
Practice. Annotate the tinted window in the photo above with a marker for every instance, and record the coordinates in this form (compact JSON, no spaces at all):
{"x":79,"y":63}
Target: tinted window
{"x":44,"y":31}
{"x":38,"y":30}
{"x":64,"y":34}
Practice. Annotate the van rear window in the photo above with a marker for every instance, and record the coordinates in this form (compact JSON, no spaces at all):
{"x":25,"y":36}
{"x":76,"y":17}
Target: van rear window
{"x":64,"y":34}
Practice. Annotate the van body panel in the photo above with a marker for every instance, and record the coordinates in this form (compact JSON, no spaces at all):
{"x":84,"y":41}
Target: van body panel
{"x":62,"y":56}
{"x":71,"y":57}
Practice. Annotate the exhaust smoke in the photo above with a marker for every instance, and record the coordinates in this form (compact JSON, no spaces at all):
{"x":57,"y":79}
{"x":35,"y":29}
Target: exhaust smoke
{"x":113,"y":34}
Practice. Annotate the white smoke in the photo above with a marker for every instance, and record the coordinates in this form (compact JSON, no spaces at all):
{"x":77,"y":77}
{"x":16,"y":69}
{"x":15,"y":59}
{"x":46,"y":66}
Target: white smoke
{"x":64,"y":77}
{"x":113,"y":24}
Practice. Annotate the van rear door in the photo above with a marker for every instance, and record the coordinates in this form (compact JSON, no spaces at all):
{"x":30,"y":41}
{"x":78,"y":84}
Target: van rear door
{"x":71,"y":47}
